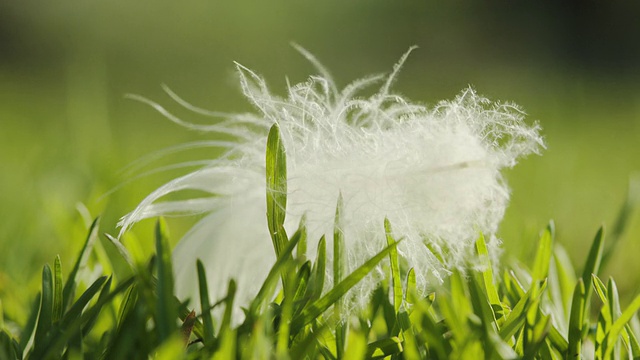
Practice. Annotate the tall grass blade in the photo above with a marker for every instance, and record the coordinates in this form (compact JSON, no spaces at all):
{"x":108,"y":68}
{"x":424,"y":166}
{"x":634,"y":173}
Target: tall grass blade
{"x":122,"y":250}
{"x":543,"y":255}
{"x":321,"y":305}
{"x":9,"y":348}
{"x":395,"y":268}
{"x":276,"y":169}
{"x":576,"y":321}
{"x":166,"y":313}
{"x":227,"y":349}
{"x":69,"y":326}
{"x":517,"y":317}
{"x":127,"y":304}
{"x":385,"y":347}
{"x":58,"y":307}
{"x":592,"y":266}
{"x":46,"y":310}
{"x":91,"y":318}
{"x":228,"y":309}
{"x":265,"y":290}
{"x":356,"y":347}
{"x":70,"y":287}
{"x":339,"y":266}
{"x":619,"y":325}
{"x":205,"y":304}
{"x":27,"y":330}
{"x":622,"y":220}
{"x":301,"y":249}
{"x":487,"y":271}
{"x":316,"y":283}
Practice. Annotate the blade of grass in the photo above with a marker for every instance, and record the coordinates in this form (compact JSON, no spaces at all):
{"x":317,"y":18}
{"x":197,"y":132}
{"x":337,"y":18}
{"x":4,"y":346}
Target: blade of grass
{"x":91,"y":319}
{"x":576,"y":321}
{"x":614,"y":312}
{"x":301,"y":249}
{"x":166,"y":313}
{"x":58,"y":300}
{"x":339,"y":265}
{"x":487,"y":272}
{"x":321,"y":305}
{"x":205,"y":304}
{"x":69,"y":326}
{"x":543,"y":255}
{"x":276,"y":170}
{"x":122,"y":250}
{"x":395,"y":268}
{"x":69,"y":289}
{"x":317,"y":281}
{"x":228,"y":309}
{"x":276,"y":269}
{"x":622,"y":220}
{"x":619,"y":324}
{"x":282,"y":345}
{"x":516,"y":318}
{"x":46,"y":309}
{"x":385,"y":347}
{"x":227,"y":349}
{"x":27,"y":331}
{"x":592,"y":266}
{"x":127,"y":304}
{"x":566,"y":277}
{"x":412,"y":289}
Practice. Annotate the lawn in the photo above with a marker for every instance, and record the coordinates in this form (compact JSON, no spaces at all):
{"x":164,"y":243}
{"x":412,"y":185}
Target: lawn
{"x":69,"y":138}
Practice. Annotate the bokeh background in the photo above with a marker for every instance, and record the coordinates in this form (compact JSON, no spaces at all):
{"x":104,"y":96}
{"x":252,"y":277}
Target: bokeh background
{"x":68,"y":134}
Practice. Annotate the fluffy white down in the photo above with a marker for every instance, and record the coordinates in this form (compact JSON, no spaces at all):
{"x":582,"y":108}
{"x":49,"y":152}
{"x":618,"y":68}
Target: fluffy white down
{"x":434,"y":173}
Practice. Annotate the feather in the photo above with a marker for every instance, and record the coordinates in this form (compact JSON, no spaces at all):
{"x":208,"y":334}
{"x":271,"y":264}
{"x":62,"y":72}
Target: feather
{"x":434,"y":173}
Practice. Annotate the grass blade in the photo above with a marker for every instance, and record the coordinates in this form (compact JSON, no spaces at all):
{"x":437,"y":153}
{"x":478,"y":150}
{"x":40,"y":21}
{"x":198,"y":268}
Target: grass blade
{"x":316,"y":283}
{"x":276,"y":168}
{"x":225,"y":325}
{"x":339,"y":265}
{"x":91,"y":319}
{"x":576,"y":321}
{"x":395,"y":268}
{"x":383,"y":348}
{"x":412,"y":288}
{"x":276,"y":269}
{"x":592,"y":266}
{"x":487,"y":272}
{"x":619,"y":325}
{"x":58,"y":299}
{"x":70,"y":287}
{"x":338,"y":244}
{"x":301,"y":249}
{"x":517,"y":317}
{"x":122,"y":250}
{"x":205,"y":304}
{"x":46,"y":309}
{"x":27,"y":331}
{"x":128,"y":303}
{"x":543,"y":255}
{"x":166,"y":313}
{"x":623,"y":218}
{"x":321,"y":305}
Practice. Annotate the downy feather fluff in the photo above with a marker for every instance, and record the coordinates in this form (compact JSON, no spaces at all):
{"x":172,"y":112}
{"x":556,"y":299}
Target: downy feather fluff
{"x":433,"y":172}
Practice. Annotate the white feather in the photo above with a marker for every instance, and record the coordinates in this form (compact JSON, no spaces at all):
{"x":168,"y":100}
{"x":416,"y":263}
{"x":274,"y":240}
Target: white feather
{"x":434,"y":173}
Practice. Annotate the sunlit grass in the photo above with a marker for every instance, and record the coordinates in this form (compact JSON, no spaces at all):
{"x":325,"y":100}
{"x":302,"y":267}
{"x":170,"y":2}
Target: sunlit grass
{"x":539,"y":308}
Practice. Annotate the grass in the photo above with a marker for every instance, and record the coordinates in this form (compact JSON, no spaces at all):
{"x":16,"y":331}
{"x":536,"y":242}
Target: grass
{"x":542,"y":309}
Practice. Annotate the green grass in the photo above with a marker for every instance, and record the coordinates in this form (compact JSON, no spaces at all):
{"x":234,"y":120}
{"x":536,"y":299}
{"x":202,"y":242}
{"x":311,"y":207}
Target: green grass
{"x":540,"y":309}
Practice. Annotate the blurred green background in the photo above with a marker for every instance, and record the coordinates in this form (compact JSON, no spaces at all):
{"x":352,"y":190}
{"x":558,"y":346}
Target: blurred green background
{"x":67,"y":133}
